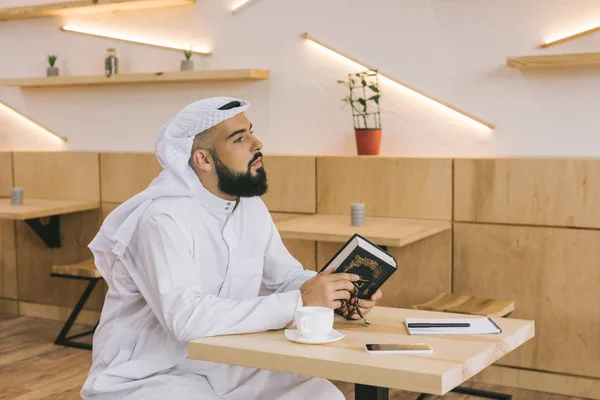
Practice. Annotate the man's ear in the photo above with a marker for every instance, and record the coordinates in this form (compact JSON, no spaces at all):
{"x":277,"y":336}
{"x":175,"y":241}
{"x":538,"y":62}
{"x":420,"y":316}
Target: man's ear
{"x":202,"y":160}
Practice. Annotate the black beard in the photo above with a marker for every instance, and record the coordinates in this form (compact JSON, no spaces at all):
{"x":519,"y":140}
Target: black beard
{"x":240,"y":184}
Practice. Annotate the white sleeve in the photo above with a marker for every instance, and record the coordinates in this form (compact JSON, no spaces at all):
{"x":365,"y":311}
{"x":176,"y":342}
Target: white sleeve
{"x":282,"y":272}
{"x":165,"y":274}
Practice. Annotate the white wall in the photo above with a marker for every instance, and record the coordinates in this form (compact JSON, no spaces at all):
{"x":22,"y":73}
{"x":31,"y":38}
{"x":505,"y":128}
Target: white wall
{"x":453,"y":49}
{"x":18,"y":133}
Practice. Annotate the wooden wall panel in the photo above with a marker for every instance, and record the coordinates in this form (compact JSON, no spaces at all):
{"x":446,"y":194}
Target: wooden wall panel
{"x":9,"y":307}
{"x":424,"y":270}
{"x":292,"y":183}
{"x":305,"y":251}
{"x":86,"y":317}
{"x":8,"y":260}
{"x":107,"y":208}
{"x":557,"y":192}
{"x":389,"y":186}
{"x":568,"y":385}
{"x":36,"y":260}
{"x":6,"y":177}
{"x":123,"y":175}
{"x":552,"y":274}
{"x":291,"y":179}
{"x":58,"y":175}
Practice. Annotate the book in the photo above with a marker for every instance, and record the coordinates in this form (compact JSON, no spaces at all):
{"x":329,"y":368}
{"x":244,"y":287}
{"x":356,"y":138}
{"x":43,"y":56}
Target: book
{"x":477,"y":326}
{"x":361,"y":257}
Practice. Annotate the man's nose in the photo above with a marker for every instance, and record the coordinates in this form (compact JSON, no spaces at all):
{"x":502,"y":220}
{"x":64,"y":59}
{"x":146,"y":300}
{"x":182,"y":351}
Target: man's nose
{"x":258,"y":145}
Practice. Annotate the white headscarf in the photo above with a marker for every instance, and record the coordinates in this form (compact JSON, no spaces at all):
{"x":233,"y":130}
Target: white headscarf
{"x":173,"y":148}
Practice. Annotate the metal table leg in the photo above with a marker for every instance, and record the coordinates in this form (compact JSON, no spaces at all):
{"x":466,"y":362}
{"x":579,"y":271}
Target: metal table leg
{"x":366,"y":392}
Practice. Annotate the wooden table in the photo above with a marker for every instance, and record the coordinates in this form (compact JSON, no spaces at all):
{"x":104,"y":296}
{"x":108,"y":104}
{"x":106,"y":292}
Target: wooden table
{"x":454,"y":360}
{"x":32,"y":210}
{"x":395,"y":232}
{"x":39,"y":208}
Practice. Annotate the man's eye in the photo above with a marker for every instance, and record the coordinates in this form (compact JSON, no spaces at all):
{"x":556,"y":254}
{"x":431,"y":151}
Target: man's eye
{"x":238,"y":140}
{"x":252,"y":132}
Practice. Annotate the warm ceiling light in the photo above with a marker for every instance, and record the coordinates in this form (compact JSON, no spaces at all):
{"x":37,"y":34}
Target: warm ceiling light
{"x":445,"y":106}
{"x":569,"y":37}
{"x":30,"y":123}
{"x":241,"y":5}
{"x":127,"y":38}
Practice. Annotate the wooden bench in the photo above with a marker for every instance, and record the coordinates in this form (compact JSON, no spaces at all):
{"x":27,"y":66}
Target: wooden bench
{"x":467,"y":304}
{"x":85,"y":270}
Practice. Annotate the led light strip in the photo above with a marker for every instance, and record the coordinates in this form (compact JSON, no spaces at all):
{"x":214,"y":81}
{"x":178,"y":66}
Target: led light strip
{"x":241,"y":6}
{"x":569,"y":37}
{"x":125,"y":38}
{"x":23,"y":118}
{"x":447,"y":106}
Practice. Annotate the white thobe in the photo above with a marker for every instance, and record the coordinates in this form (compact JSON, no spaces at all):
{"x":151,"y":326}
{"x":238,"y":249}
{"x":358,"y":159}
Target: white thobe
{"x":199,"y":267}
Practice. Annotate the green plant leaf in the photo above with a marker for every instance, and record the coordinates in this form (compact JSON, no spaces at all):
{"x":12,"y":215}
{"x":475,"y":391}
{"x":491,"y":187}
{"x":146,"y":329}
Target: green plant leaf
{"x":374,"y":88}
{"x":375,"y":98}
{"x":364,"y":83}
{"x":346,"y":100}
{"x":340,"y":81}
{"x":362,"y":101}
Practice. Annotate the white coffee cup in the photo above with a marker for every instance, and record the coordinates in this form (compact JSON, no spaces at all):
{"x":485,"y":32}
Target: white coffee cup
{"x":314,"y":322}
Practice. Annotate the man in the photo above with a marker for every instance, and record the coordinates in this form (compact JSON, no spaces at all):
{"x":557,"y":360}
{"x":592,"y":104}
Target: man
{"x":197,"y":254}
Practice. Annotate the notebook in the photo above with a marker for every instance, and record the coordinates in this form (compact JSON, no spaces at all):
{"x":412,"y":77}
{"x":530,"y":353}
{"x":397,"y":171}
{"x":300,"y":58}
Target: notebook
{"x":479,"y":326}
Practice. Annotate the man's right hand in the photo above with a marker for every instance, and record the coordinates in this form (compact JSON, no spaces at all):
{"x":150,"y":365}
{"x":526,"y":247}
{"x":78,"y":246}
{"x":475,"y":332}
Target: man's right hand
{"x":327,"y":289}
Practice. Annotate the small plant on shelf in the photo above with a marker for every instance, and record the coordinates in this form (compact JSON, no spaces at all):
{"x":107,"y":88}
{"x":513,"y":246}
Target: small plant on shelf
{"x":364,"y":101}
{"x":187,"y":64}
{"x":52,"y":70}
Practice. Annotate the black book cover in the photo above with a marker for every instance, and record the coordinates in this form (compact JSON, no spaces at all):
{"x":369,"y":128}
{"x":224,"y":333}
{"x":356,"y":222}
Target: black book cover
{"x":372,"y":270}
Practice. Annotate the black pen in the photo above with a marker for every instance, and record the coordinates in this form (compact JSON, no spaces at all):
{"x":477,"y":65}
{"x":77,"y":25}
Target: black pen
{"x":440,"y":325}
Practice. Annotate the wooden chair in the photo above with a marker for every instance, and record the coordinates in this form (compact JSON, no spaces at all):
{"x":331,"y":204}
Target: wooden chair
{"x":467,"y":304}
{"x":85,"y":270}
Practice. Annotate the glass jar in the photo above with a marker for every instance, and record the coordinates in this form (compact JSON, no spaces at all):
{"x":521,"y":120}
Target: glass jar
{"x":111,"y":63}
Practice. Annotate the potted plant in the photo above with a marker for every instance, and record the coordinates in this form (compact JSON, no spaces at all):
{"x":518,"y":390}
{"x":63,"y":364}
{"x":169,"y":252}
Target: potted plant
{"x":187,"y":64}
{"x":364,"y":100}
{"x":52,"y":70}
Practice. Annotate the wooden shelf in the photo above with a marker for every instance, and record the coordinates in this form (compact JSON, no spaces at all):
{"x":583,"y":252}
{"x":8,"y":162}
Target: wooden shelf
{"x":120,"y":79}
{"x":84,"y":7}
{"x":395,"y":232}
{"x":40,"y":208}
{"x":554,"y":60}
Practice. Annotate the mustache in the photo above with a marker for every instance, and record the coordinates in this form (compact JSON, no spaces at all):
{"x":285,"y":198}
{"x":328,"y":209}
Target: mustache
{"x":256,"y":157}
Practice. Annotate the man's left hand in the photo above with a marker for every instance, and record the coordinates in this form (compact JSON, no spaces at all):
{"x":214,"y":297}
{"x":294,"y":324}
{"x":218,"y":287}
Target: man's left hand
{"x":366,"y":305}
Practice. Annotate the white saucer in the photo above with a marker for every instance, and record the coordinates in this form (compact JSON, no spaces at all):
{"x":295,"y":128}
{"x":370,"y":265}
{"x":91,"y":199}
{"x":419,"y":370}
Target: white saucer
{"x":295,"y":336}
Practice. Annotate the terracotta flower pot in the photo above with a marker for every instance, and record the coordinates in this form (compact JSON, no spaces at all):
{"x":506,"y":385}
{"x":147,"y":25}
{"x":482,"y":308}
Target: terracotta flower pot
{"x":368,"y":141}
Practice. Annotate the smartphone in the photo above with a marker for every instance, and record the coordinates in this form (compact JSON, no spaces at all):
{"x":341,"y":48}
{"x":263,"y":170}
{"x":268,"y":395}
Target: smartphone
{"x":409,"y":348}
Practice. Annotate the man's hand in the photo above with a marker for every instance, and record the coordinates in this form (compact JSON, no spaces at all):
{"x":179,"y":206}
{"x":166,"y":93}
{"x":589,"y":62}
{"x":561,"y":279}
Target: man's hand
{"x":366,"y":305}
{"x":327,"y":289}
